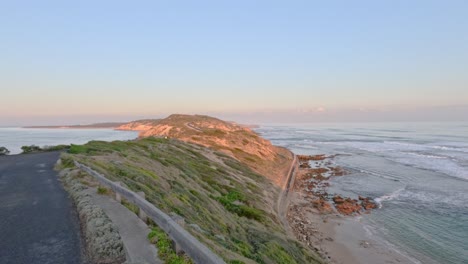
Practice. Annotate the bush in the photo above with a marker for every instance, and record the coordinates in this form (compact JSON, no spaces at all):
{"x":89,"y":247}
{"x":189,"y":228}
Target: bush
{"x":30,"y":149}
{"x":4,"y":151}
{"x":55,"y":148}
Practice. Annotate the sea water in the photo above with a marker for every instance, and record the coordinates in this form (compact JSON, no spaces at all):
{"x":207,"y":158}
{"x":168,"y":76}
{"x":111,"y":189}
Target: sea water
{"x":13,"y":138}
{"x":417,"y":172}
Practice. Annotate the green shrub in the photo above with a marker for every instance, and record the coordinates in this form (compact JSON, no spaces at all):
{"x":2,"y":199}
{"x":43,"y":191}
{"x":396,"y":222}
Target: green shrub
{"x":165,"y":250}
{"x":4,"y":151}
{"x":55,"y":148}
{"x":30,"y":149}
{"x":78,"y":149}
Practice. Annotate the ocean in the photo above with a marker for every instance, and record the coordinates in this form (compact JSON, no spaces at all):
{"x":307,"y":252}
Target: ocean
{"x":13,"y":138}
{"x":417,"y":172}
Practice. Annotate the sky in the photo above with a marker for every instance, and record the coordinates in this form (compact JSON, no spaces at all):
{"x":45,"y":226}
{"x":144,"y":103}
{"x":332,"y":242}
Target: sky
{"x":256,"y":61}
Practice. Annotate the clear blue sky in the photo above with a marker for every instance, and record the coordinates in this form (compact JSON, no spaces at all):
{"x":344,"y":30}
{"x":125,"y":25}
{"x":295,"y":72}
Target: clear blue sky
{"x":80,"y":61}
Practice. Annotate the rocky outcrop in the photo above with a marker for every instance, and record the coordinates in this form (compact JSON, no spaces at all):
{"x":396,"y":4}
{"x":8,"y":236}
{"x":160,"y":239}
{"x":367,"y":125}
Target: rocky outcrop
{"x":312,"y":182}
{"x":367,"y":203}
{"x":103,"y":242}
{"x":346,"y":206}
{"x":305,"y":158}
{"x":322,"y":206}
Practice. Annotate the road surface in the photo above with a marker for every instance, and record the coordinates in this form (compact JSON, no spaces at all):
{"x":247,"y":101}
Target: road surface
{"x":38,"y":223}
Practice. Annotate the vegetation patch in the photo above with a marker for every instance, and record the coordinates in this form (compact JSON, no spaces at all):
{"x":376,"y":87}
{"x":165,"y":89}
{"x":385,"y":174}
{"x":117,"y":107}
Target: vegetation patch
{"x":234,"y":202}
{"x":130,"y":206}
{"x":56,"y":148}
{"x":4,"y":151}
{"x":30,"y":149}
{"x":221,"y":199}
{"x":102,"y":190}
{"x":165,"y":250}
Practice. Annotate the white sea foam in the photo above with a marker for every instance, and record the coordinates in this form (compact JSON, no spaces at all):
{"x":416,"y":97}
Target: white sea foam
{"x":426,"y":155}
{"x":447,"y":160}
{"x":451,"y":148}
{"x":389,"y":197}
{"x":450,"y":167}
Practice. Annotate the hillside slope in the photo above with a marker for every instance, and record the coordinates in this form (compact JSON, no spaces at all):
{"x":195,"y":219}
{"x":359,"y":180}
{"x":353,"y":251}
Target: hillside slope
{"x":232,"y":139}
{"x":224,"y":203}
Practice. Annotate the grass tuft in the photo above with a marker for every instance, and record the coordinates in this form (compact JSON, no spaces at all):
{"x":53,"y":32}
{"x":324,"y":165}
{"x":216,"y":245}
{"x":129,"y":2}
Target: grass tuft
{"x":102,"y":190}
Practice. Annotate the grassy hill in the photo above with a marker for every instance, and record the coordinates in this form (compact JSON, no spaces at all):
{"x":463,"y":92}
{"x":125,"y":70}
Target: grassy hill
{"x":226,"y":205}
{"x":229,"y":138}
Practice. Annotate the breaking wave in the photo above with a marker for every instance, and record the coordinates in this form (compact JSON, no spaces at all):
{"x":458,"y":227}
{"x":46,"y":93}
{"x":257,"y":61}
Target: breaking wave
{"x":389,"y":197}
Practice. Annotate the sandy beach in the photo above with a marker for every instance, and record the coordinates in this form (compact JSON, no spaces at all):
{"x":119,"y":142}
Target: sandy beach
{"x":337,"y":235}
{"x":351,"y":244}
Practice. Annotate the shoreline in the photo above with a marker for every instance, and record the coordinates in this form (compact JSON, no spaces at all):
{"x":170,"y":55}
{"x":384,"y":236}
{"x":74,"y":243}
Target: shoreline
{"x":13,"y":138}
{"x":339,"y":236}
{"x":59,"y":127}
{"x":350,"y":243}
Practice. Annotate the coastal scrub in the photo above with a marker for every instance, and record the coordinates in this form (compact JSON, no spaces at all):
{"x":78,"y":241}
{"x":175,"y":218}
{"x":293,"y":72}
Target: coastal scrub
{"x":225,"y":204}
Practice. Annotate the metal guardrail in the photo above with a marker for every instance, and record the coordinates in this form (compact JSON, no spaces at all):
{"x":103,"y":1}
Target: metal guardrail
{"x":199,"y":253}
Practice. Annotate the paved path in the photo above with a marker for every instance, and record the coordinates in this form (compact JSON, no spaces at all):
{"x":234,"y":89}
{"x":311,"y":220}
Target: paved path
{"x":38,"y":223}
{"x":132,"y":230}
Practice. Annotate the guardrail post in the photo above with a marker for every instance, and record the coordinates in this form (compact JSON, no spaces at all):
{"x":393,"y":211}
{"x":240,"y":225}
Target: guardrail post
{"x":177,"y":248}
{"x":143,"y":216}
{"x":180,"y":221}
{"x":118,"y":197}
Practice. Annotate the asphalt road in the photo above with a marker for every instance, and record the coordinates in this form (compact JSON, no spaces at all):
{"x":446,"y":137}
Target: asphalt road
{"x":38,"y":223}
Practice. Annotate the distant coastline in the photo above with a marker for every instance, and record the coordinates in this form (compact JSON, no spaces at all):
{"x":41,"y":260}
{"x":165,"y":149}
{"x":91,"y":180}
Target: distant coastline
{"x":95,"y":126}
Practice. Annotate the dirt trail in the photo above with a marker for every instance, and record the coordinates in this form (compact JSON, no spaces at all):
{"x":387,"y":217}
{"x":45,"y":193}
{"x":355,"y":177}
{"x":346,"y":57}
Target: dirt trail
{"x":282,"y":204}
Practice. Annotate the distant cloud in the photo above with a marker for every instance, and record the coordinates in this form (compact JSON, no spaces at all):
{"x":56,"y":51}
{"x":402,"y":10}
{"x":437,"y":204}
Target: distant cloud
{"x":357,"y":114}
{"x":321,"y":109}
